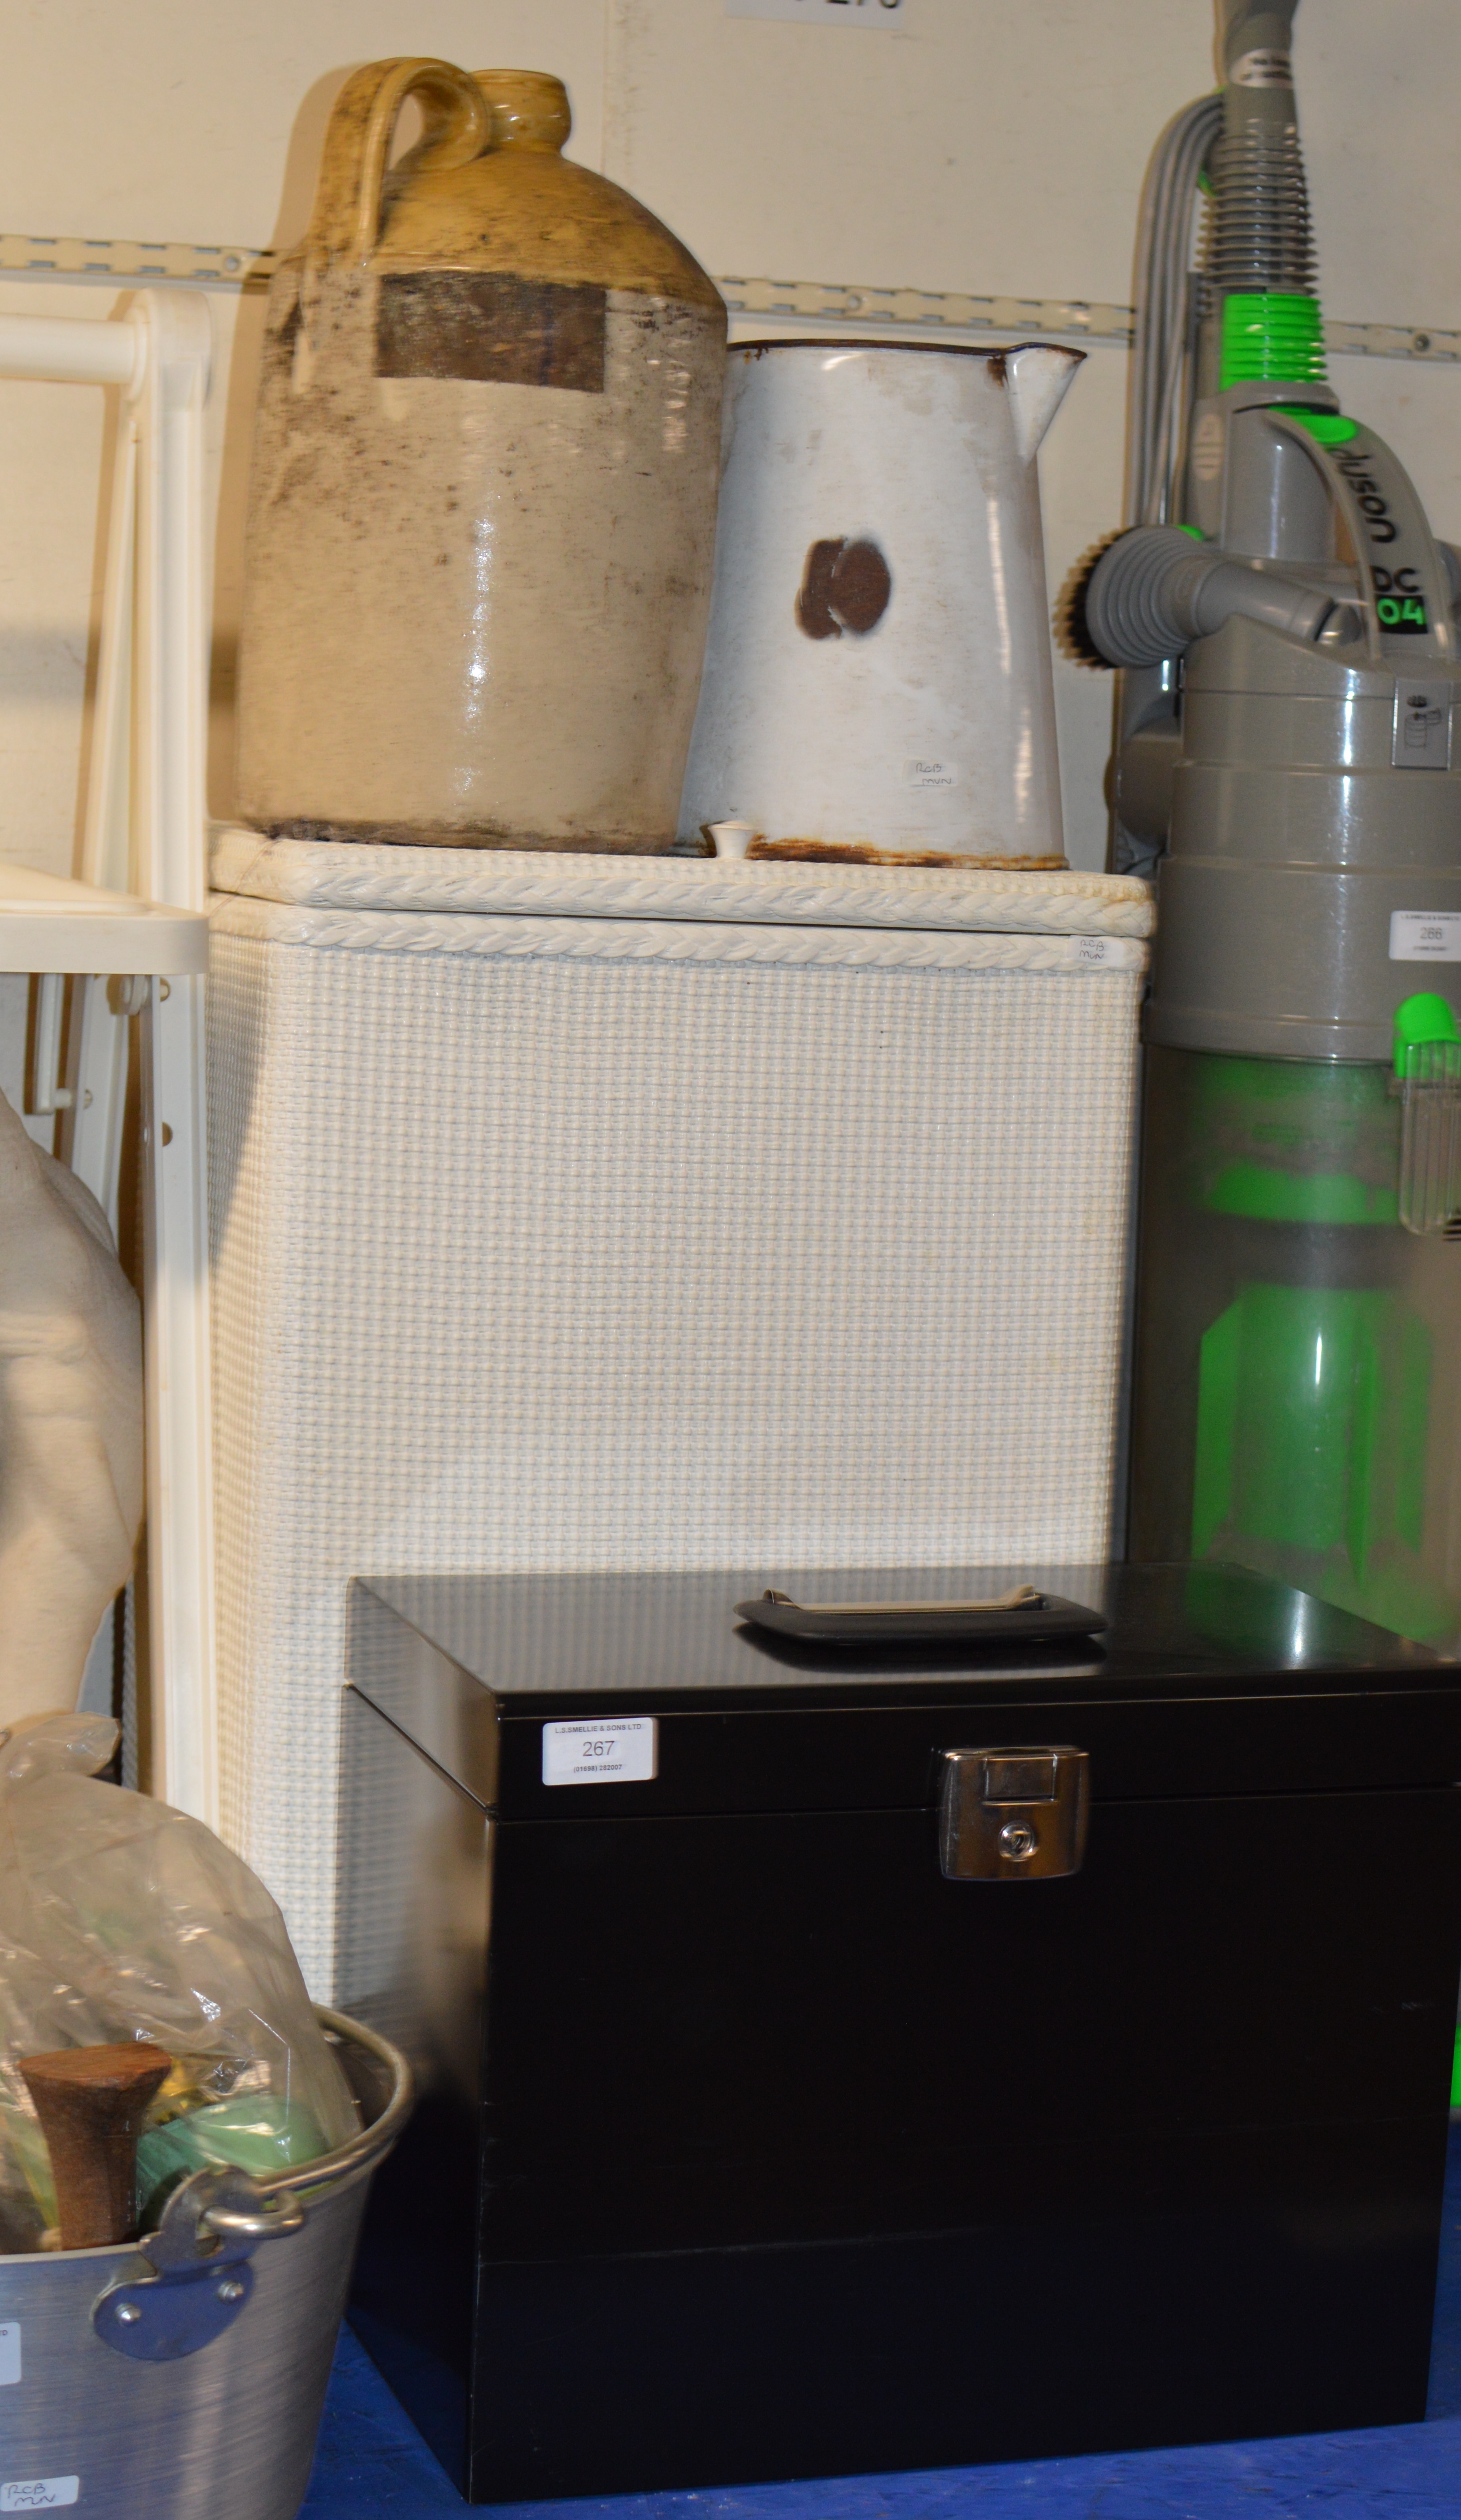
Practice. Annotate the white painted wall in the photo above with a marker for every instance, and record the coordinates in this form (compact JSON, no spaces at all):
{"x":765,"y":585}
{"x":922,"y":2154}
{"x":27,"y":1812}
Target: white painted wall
{"x":986,"y":147}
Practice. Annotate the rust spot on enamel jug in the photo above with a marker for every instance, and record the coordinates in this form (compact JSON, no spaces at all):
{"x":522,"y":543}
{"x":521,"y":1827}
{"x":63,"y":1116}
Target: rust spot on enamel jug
{"x":845,"y":586}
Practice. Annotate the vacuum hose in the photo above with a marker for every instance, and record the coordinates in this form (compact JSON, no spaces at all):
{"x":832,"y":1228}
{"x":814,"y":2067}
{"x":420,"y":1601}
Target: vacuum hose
{"x":1155,"y":590}
{"x":1261,"y":238}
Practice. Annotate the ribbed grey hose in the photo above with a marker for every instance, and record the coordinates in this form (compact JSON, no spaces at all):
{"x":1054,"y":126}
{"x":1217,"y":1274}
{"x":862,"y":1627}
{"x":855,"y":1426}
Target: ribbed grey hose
{"x":1261,"y":237}
{"x":1165,"y":310}
{"x":1156,"y":590}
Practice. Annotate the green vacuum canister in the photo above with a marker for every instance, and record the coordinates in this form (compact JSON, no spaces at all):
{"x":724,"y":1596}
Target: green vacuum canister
{"x":1299,"y":1383}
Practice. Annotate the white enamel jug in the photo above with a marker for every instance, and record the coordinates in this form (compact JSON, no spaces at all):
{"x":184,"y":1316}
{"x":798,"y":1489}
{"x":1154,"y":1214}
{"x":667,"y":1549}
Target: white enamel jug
{"x":878,"y":679}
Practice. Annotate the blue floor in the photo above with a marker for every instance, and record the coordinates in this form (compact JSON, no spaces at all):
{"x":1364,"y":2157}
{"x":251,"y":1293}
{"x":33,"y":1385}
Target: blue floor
{"x":372,"y":2464}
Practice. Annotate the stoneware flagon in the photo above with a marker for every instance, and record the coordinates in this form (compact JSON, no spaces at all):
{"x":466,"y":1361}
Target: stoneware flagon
{"x":482,"y":505}
{"x":877,"y":678}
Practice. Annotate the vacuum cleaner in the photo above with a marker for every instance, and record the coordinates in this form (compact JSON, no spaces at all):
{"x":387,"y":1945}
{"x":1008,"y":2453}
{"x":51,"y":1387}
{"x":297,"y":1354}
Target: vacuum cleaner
{"x":1288,"y":765}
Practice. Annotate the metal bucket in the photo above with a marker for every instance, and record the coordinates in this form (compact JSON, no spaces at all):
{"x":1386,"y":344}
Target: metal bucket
{"x":184,"y":2374}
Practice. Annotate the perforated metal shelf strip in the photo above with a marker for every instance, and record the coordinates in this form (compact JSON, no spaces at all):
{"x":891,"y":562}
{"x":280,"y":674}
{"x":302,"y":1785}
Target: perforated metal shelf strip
{"x":813,"y":302}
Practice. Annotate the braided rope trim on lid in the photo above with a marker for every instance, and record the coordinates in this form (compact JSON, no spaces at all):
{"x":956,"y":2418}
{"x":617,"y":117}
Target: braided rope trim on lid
{"x":490,"y":935}
{"x":382,"y":876}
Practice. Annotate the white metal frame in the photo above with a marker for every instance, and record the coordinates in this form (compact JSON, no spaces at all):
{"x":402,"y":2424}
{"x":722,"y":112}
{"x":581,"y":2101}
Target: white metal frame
{"x":134,"y":933}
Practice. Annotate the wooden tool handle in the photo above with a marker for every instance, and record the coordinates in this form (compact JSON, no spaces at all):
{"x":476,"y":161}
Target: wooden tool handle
{"x":91,"y":2103}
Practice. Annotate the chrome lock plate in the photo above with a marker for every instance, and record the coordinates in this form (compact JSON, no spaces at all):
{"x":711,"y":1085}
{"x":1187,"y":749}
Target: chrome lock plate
{"x":1013,"y":1815}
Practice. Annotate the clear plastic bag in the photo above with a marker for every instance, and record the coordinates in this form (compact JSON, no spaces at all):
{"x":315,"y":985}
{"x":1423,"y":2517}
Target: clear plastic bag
{"x":121,"y":1919}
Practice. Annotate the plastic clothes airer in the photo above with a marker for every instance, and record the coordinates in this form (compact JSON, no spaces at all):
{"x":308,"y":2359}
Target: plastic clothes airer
{"x":122,"y":1919}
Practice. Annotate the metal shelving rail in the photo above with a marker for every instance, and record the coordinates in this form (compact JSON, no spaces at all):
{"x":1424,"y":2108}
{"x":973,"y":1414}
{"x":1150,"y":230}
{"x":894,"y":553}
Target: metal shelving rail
{"x":812,"y":303}
{"x":133,"y":934}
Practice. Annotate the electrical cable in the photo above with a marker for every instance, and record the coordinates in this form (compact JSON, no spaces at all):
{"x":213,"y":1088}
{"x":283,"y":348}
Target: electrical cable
{"x":1167,"y":311}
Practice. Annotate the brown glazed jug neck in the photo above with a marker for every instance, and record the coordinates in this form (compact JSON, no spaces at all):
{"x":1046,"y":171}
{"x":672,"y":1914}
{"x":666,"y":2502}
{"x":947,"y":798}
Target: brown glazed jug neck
{"x":486,"y":188}
{"x":529,"y":109}
{"x":522,"y":206}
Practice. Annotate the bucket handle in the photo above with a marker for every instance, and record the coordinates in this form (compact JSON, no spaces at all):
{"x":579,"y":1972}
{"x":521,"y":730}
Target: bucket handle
{"x":198,"y":2276}
{"x":346,"y":218}
{"x":266,"y":2208}
{"x":371,"y":2143}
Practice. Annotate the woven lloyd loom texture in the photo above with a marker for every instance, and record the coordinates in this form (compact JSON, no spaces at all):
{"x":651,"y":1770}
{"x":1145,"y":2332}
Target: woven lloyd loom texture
{"x":574,"y":1258}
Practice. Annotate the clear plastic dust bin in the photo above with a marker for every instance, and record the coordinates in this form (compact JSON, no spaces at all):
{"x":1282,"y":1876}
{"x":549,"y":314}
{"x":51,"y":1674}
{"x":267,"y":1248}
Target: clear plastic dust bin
{"x":1297,"y":1395}
{"x":184,"y":2374}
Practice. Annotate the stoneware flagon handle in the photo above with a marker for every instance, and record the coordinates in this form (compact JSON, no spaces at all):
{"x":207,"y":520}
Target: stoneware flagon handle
{"x":347,"y":216}
{"x":91,"y":2103}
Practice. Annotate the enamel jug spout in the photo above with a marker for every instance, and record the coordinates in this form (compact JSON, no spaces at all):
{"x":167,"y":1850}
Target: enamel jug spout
{"x":1038,"y":380}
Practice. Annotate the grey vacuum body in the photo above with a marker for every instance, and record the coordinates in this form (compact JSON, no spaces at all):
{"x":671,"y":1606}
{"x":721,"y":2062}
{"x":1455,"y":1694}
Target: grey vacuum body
{"x":1289,"y":766}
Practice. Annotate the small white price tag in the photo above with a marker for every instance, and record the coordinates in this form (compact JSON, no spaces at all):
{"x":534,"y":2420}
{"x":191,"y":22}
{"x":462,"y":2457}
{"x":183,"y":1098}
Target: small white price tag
{"x":1093,"y":951}
{"x":624,"y":1752}
{"x":10,"y":2354}
{"x":1425,"y":935}
{"x":40,"y":2494}
{"x":824,"y":13}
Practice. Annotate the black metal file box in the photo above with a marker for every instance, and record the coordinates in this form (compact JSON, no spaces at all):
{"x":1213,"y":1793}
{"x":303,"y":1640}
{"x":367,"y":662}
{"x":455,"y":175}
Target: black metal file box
{"x":754,"y":2144}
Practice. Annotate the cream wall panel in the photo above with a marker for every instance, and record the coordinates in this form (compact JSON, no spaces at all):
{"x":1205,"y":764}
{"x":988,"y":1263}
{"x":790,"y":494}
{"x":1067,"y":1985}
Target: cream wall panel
{"x":987,"y":147}
{"x":1003,"y":149}
{"x":51,"y":444}
{"x":174,"y":120}
{"x":1379,"y":89}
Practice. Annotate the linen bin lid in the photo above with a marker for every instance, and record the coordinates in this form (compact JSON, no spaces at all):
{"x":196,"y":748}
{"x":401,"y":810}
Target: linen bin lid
{"x":383,"y":876}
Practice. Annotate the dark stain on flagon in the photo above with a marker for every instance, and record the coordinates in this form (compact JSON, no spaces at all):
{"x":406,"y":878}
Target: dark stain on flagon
{"x":493,"y":327}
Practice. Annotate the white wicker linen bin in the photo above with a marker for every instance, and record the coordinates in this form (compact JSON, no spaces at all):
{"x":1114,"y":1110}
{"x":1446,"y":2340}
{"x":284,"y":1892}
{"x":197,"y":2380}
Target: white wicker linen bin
{"x":583,"y":1212}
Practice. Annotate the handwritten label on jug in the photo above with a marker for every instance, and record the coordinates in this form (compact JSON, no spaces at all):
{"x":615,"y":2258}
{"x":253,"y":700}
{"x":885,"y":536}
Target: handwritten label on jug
{"x":920,"y":771}
{"x":489,"y":327}
{"x":10,"y":2354}
{"x":624,"y":1752}
{"x":1425,"y":935}
{"x":824,"y":13}
{"x":40,"y":2494}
